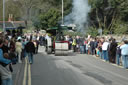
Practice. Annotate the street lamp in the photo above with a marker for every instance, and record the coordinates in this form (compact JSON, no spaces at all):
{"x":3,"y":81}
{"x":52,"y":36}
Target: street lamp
{"x":62,"y":12}
{"x":4,"y":16}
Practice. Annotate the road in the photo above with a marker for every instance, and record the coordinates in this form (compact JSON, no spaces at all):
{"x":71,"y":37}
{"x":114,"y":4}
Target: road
{"x":75,"y":69}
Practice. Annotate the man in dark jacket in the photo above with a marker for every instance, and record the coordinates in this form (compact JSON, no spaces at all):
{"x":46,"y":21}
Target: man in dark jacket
{"x":113,"y":47}
{"x":30,"y":49}
{"x":92,"y":47}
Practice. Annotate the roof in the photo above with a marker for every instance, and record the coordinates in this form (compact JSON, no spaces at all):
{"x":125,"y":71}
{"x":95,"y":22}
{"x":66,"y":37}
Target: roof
{"x":52,"y":28}
{"x":7,"y":25}
{"x":19,"y":23}
{"x":13,"y":25}
{"x":56,"y":28}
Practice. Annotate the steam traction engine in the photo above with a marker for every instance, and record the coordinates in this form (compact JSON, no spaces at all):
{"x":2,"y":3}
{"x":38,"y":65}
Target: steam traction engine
{"x":56,"y":43}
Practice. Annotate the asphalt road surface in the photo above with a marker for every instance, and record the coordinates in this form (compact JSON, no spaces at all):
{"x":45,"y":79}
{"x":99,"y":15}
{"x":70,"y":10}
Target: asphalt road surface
{"x":75,"y":69}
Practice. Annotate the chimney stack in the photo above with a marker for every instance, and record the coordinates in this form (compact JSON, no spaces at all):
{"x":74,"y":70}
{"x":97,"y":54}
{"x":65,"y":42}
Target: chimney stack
{"x":10,"y":17}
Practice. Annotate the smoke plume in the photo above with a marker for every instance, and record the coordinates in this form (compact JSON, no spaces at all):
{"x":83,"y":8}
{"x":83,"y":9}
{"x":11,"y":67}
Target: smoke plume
{"x":79,"y":14}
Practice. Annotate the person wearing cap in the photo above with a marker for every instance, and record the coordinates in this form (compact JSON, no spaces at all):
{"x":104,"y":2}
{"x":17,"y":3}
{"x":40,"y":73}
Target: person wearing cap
{"x":124,"y":53}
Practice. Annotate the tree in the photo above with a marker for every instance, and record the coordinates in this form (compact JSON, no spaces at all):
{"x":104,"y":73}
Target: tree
{"x":26,"y":7}
{"x":51,"y":16}
{"x":101,"y":15}
{"x":92,"y":31}
{"x":30,"y":10}
{"x":122,"y":7}
{"x":10,"y":8}
{"x":49,"y":19}
{"x":105,"y":13}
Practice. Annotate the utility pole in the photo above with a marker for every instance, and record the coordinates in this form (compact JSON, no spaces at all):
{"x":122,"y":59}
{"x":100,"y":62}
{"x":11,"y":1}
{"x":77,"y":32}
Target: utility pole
{"x":62,"y":12}
{"x":4,"y":16}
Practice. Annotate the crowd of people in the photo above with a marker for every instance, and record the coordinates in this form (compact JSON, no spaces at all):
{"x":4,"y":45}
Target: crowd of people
{"x":13,"y":49}
{"x":105,"y":48}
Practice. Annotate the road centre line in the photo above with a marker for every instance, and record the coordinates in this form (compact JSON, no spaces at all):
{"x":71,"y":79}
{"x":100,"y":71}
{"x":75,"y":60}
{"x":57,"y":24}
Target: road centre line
{"x":25,"y":72}
{"x":29,"y":74}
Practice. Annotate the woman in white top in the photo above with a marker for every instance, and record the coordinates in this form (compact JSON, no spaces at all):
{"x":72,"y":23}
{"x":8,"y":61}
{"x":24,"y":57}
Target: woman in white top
{"x":19,"y":50}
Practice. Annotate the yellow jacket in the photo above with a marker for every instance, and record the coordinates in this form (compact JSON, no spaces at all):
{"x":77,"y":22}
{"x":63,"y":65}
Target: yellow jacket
{"x":74,"y":42}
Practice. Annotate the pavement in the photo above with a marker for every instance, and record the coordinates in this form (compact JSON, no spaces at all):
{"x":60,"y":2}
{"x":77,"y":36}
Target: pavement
{"x":18,"y":71}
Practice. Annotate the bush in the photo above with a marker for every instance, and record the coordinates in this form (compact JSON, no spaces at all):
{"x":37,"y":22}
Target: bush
{"x":92,"y":31}
{"x":106,"y":31}
{"x":120,"y":28}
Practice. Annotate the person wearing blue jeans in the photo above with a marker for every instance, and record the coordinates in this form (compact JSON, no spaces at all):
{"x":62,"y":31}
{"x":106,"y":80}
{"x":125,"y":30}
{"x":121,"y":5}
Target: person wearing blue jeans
{"x":30,"y":49}
{"x":86,"y":48}
{"x":118,"y":59}
{"x":105,"y":55}
{"x":105,"y":50}
{"x":7,"y":81}
{"x":81,"y":49}
{"x":30,"y":57}
{"x":125,"y":61}
{"x":124,"y":53}
{"x":118,"y":55}
{"x":100,"y":54}
{"x":81,"y":44}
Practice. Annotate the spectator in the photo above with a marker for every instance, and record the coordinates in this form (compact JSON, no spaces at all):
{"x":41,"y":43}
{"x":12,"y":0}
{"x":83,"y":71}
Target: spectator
{"x":89,"y":49}
{"x":5,"y":47}
{"x":95,"y":46}
{"x":70,"y":42}
{"x":19,"y":50}
{"x":74,"y":44}
{"x":12,"y":45}
{"x":105,"y":50}
{"x":81,"y":44}
{"x":37,"y":46}
{"x":25,"y":42}
{"x":86,"y":46}
{"x":2,"y":59}
{"x":23,"y":54}
{"x":85,"y":42}
{"x":30,"y":49}
{"x":100,"y":43}
{"x":42,"y":40}
{"x":92,"y":47}
{"x":5,"y":72}
{"x":77,"y":43}
{"x":118,"y":55}
{"x":112,"y":51}
{"x":124,"y":53}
